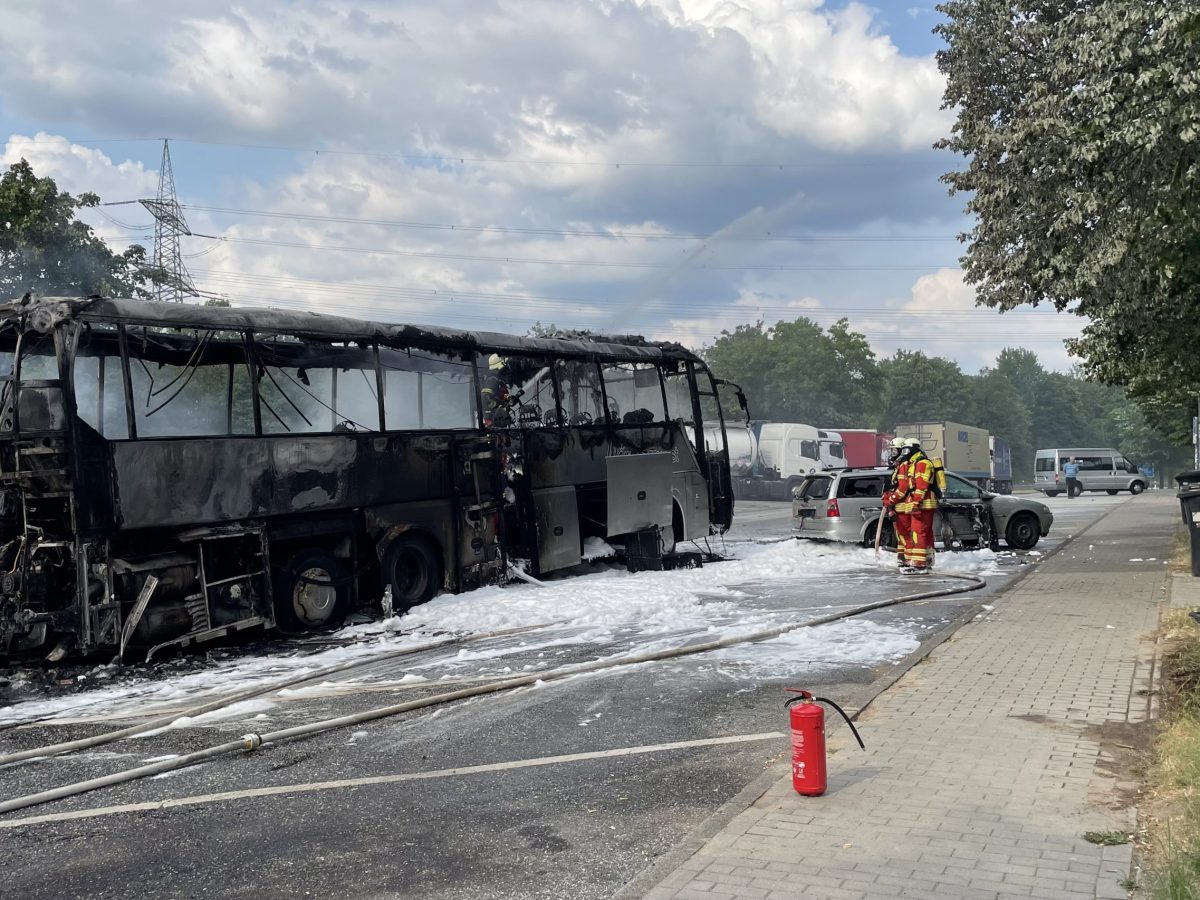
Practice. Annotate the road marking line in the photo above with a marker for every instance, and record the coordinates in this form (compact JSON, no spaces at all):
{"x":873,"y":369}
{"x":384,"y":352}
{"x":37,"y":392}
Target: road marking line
{"x":309,"y":787}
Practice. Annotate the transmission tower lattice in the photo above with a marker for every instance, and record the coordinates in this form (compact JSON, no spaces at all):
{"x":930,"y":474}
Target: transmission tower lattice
{"x":171,"y":278}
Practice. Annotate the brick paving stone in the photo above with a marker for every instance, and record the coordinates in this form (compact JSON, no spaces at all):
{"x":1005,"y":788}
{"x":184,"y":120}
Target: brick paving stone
{"x":977,"y":785}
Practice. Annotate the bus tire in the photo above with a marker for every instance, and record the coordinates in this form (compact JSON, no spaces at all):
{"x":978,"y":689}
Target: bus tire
{"x":413,"y":570}
{"x":1111,"y":492}
{"x":302,"y":601}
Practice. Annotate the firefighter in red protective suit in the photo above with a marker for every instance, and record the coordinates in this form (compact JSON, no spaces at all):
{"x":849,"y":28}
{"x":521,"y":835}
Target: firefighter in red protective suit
{"x":920,"y":502}
{"x":894,"y":497}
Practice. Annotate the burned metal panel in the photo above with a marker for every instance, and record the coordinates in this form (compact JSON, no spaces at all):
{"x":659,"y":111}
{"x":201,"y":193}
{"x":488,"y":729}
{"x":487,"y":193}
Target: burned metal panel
{"x":46,"y":312}
{"x":639,"y":492}
{"x":688,"y":487}
{"x":558,"y":541}
{"x":562,"y":456}
{"x":173,"y":482}
{"x":470,"y":555}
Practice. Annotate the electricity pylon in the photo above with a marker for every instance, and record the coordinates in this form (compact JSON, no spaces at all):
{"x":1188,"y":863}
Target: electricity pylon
{"x":171,"y":278}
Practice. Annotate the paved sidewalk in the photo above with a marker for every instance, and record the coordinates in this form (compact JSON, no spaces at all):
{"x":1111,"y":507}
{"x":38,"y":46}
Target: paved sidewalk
{"x":986,"y":763}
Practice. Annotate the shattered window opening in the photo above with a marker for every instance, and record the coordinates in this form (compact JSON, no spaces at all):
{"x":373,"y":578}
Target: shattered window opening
{"x":427,"y":390}
{"x":302,"y":388}
{"x":188,"y":384}
{"x":634,"y":392}
{"x":38,"y":362}
{"x":517,"y":390}
{"x":99,"y":382}
{"x":579,"y":387}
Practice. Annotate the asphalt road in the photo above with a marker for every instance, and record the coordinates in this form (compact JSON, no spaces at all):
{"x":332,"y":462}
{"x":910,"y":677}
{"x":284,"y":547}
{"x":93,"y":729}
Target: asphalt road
{"x":518,"y":823}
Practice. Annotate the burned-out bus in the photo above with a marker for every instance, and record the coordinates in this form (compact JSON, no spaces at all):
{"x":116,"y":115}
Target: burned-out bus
{"x":172,"y":473}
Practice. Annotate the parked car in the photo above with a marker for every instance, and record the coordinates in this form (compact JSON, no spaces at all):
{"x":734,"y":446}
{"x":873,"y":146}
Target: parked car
{"x":1102,"y":469}
{"x":845,"y":505}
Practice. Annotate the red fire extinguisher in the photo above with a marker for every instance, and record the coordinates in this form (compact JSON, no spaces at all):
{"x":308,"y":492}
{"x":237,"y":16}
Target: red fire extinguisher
{"x":808,"y":742}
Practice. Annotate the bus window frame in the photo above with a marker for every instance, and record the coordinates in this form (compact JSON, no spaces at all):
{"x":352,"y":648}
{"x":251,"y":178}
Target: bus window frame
{"x":618,"y":361}
{"x":548,"y":361}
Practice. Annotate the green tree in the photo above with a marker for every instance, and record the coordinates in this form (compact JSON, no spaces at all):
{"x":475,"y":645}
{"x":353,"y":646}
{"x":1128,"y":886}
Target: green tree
{"x":44,"y":248}
{"x":1023,"y":370}
{"x":798,"y":372}
{"x":1001,"y":409}
{"x":1080,"y":123}
{"x":920,"y":388}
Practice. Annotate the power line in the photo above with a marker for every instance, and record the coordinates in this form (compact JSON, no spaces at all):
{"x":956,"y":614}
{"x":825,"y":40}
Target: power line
{"x":676,"y":330}
{"x":462,"y":159}
{"x":524,"y":260}
{"x":566,"y":232}
{"x":549,"y":304}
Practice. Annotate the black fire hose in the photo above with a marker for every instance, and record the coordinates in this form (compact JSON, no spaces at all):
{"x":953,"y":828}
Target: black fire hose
{"x":809,"y":698}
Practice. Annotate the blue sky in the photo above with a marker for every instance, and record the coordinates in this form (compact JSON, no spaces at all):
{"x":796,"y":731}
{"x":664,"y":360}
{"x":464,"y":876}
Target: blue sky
{"x":670,"y":167}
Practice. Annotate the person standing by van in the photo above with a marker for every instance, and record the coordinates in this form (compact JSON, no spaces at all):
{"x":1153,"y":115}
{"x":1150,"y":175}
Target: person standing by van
{"x":1071,"y":473}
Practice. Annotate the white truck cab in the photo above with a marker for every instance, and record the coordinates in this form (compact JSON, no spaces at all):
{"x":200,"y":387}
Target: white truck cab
{"x":791,"y":449}
{"x":832,"y":449}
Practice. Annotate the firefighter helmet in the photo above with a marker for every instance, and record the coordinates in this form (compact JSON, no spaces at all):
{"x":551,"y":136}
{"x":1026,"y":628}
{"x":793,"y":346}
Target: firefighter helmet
{"x":495,"y":362}
{"x":899,"y":443}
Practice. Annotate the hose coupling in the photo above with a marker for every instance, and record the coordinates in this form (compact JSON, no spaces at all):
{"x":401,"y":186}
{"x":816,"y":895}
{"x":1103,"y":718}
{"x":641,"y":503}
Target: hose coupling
{"x":251,"y":741}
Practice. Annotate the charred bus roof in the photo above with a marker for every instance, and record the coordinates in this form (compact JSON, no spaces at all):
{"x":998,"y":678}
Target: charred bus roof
{"x":44,"y":313}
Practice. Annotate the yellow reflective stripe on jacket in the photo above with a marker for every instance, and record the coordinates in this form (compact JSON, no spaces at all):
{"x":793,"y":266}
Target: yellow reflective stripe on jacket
{"x":921,"y":472}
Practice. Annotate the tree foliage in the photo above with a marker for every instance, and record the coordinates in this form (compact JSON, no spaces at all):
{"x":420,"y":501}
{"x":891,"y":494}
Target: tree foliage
{"x":1080,"y":124}
{"x":924,"y":388}
{"x":798,"y":372}
{"x":44,"y":248}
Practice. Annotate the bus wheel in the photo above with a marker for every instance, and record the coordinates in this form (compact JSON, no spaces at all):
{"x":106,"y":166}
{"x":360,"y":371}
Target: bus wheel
{"x":1111,"y":492}
{"x":311,"y":592}
{"x":412,"y":568}
{"x":1136,"y":488}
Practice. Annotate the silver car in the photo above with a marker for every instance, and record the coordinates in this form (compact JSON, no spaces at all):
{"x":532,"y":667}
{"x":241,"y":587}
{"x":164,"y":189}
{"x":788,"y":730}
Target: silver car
{"x":845,"y":505}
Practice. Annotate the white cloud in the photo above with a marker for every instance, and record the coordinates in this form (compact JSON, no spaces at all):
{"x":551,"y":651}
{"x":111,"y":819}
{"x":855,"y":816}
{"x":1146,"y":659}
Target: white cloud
{"x":77,"y":169}
{"x":941,"y":318}
{"x":547,"y":78}
{"x":829,"y":76}
{"x":584,"y":83}
{"x":747,"y":309}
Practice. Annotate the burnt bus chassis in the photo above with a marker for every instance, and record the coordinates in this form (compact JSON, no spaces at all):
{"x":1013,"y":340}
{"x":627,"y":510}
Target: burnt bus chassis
{"x":169,"y":541}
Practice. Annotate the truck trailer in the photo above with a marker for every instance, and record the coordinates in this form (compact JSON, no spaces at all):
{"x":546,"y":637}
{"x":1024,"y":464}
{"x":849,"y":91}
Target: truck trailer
{"x":1001,"y":481}
{"x":963,"y":449}
{"x":865,"y":448}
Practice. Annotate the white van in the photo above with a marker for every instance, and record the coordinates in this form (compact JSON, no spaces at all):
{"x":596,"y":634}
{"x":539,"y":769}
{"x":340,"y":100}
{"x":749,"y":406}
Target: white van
{"x":790,"y":449}
{"x":1100,"y":469}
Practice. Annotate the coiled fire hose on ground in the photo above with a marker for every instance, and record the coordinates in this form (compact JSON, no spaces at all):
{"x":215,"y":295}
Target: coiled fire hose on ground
{"x":250,"y":742}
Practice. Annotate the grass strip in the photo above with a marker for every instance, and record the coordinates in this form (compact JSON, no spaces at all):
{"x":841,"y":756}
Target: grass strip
{"x":1173,"y":822}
